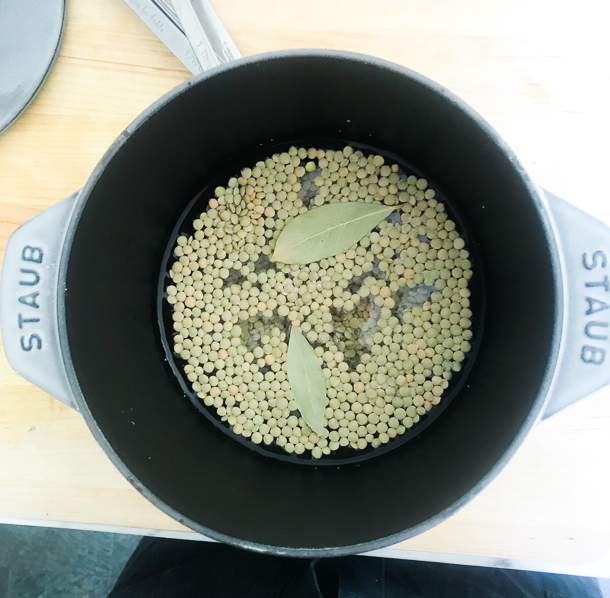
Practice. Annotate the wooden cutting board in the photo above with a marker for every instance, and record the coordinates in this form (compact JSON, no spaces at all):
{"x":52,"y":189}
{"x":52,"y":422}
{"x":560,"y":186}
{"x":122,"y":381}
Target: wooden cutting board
{"x":536,"y":69}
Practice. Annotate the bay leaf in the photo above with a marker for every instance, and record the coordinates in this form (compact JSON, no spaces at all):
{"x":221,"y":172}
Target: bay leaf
{"x":327,"y":230}
{"x":306,"y":380}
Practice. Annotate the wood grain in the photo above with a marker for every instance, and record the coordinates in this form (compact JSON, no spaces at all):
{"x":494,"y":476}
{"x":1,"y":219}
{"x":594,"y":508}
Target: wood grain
{"x":534,"y":70}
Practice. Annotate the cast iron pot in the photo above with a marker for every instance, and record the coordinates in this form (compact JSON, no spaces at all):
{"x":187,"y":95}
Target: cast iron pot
{"x":80,"y":292}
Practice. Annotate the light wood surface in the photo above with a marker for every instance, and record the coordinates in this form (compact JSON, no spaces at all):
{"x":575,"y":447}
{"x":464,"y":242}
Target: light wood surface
{"x":536,"y":69}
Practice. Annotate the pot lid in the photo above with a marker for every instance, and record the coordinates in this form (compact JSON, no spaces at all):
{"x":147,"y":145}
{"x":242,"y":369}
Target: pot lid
{"x":30,"y":37}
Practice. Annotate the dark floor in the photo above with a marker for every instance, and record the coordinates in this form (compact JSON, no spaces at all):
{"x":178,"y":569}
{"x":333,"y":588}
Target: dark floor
{"x":53,"y":563}
{"x":40,"y":562}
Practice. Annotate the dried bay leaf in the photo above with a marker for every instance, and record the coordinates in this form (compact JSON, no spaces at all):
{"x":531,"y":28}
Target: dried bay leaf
{"x":306,"y":380}
{"x":327,"y":230}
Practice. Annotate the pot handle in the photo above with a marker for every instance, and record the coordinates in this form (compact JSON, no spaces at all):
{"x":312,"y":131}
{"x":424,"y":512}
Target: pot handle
{"x":584,"y":359}
{"x":29,"y":299}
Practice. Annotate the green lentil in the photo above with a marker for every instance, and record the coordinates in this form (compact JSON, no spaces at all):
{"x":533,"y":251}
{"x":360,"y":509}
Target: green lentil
{"x":391,"y":331}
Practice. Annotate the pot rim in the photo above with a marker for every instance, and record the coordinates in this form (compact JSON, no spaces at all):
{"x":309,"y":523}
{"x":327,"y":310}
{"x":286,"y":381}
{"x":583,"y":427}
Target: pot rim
{"x":546,"y":386}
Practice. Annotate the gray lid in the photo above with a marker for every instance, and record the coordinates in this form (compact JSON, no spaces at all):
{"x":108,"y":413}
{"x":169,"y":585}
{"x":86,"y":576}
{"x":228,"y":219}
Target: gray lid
{"x":30,"y":36}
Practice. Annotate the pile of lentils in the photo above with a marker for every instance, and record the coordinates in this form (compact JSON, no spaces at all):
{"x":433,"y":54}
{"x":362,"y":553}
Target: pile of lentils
{"x":389,"y":319}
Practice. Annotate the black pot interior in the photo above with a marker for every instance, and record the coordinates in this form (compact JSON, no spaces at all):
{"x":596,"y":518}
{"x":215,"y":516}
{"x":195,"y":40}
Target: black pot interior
{"x":213,"y":128}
